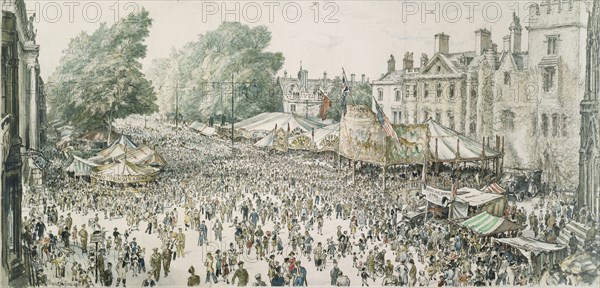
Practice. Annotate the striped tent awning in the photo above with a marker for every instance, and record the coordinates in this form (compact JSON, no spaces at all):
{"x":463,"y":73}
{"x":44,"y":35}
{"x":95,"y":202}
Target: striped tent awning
{"x":485,"y":224}
{"x":494,"y":188}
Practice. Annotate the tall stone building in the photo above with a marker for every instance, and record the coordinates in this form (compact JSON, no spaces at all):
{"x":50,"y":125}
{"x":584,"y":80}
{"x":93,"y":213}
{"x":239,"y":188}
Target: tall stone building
{"x":22,"y":116}
{"x":530,"y":96}
{"x":301,"y":95}
{"x":589,"y":154}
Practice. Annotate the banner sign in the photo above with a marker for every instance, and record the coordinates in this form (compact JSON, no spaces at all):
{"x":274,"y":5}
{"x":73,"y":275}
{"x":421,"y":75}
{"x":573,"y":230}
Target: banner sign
{"x":280,"y":143}
{"x":361,"y":136}
{"x":413,"y":147}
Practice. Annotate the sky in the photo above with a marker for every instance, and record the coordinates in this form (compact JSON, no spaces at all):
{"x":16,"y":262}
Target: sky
{"x":358,"y":36}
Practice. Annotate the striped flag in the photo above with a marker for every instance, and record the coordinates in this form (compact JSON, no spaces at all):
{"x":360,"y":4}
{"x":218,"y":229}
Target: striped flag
{"x":385,"y":122}
{"x":325,"y":105}
{"x":345,"y":92}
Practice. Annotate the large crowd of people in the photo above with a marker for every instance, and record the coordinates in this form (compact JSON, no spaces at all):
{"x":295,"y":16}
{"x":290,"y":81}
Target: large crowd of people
{"x":254,"y":217}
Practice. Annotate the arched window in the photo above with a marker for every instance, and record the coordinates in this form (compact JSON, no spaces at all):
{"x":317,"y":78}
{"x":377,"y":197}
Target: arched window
{"x":506,"y":78}
{"x":438,"y":90}
{"x":379,"y":95}
{"x":452,"y":91}
{"x":425,"y":90}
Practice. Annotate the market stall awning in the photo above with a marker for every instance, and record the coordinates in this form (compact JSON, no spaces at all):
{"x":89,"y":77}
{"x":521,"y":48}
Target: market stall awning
{"x":485,"y":224}
{"x":530,"y":245}
{"x":494,"y":188}
{"x":80,"y":166}
{"x":581,"y":263}
{"x":124,"y":172}
{"x":452,"y":145}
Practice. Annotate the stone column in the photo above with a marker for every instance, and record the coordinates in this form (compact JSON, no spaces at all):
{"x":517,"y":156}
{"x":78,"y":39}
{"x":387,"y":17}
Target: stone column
{"x":33,"y":109}
{"x":32,"y":52}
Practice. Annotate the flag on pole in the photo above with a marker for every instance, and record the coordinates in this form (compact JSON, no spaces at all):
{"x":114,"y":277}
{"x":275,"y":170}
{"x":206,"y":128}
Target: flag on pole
{"x":385,"y":122}
{"x":345,"y":91}
{"x":325,"y":105}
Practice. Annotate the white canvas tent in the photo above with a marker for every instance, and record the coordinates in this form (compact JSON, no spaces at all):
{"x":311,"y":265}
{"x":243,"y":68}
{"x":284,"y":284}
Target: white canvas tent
{"x":452,"y":145}
{"x":124,"y":140}
{"x":80,"y":166}
{"x":202,"y":128}
{"x":266,"y":122}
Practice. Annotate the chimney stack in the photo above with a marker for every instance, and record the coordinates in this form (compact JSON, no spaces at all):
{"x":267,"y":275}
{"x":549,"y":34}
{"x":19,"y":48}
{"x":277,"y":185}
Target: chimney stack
{"x":506,"y":46}
{"x":362,"y":78}
{"x":515,"y":34}
{"x":352,"y":77}
{"x":441,"y":44}
{"x":483,"y":41}
{"x":391,"y":64}
{"x":424,"y":59}
{"x":325,"y":75}
{"x":303,"y":77}
{"x":408,"y":61}
{"x":285,"y":74}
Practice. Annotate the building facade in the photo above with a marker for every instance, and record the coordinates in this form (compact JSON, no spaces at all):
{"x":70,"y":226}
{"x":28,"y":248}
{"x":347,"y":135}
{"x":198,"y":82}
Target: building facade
{"x":588,"y":194}
{"x":23,"y":113}
{"x":529,"y":96}
{"x":301,"y":95}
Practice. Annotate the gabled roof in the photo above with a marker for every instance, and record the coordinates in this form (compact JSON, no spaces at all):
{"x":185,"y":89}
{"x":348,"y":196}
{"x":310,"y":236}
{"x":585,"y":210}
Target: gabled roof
{"x":439,"y":57}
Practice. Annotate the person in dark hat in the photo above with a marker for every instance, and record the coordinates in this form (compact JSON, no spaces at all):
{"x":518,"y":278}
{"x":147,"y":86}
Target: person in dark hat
{"x":193,"y":280}
{"x":334,"y":273}
{"x":242,"y":274}
{"x":155,"y":261}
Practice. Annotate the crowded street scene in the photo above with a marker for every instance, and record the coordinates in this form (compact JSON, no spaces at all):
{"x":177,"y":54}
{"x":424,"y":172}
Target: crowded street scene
{"x":184,"y":144}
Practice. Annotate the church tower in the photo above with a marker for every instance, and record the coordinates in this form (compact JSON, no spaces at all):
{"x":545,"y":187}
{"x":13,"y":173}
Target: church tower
{"x":588,"y":192}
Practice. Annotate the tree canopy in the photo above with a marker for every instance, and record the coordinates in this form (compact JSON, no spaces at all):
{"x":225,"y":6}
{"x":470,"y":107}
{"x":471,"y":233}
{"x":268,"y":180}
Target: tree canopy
{"x":199,"y":75}
{"x":99,"y":76}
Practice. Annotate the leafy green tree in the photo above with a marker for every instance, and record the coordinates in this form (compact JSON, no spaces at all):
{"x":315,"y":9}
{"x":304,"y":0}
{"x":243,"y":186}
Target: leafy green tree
{"x":99,"y":77}
{"x":201,"y":73}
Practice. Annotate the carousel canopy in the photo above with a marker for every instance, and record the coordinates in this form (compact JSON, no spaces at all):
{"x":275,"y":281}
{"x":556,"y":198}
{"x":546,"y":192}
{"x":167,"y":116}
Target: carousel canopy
{"x":124,"y":172}
{"x":81,"y":167}
{"x":485,"y":224}
{"x":143,"y":155}
{"x":266,"y":122}
{"x":452,"y":145}
{"x":325,"y":139}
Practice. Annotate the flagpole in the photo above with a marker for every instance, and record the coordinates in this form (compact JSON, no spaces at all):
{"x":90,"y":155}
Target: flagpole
{"x":344,"y":77}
